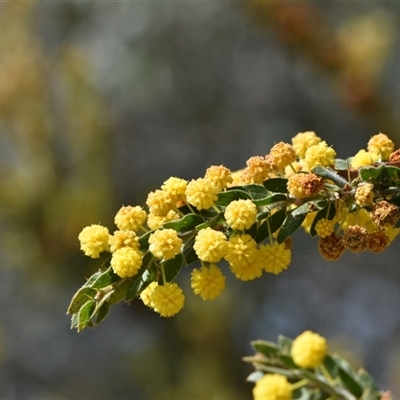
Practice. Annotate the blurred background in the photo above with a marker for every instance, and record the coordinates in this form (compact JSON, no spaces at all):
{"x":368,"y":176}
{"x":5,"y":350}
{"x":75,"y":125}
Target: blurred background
{"x":100,"y":102}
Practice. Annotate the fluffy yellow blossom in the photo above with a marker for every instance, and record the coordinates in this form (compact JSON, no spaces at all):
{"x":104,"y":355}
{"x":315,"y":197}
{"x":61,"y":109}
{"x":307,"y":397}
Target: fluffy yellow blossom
{"x":365,"y":195}
{"x":208,"y":282}
{"x":324,"y":227}
{"x":272,"y":387}
{"x":94,"y":240}
{"x":244,"y":257}
{"x":160,"y":202}
{"x":258,"y":170}
{"x":157,"y":221}
{"x":176,"y":188}
{"x":167,"y":299}
{"x":303,"y":140}
{"x":309,"y":350}
{"x":381,"y":145}
{"x":123,"y":239}
{"x":319,"y":155}
{"x":364,"y":158}
{"x":201,"y":193}
{"x":130,"y":218}
{"x":282,"y":154}
{"x":210,"y":245}
{"x":241,"y":214}
{"x":165,"y":243}
{"x":276,"y":257}
{"x":304,"y":185}
{"x":220,"y":176}
{"x":145,"y":295}
{"x":126,"y":262}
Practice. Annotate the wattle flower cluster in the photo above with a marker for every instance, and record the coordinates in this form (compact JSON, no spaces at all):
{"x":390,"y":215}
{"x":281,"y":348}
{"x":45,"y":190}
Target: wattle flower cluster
{"x":243,"y":223}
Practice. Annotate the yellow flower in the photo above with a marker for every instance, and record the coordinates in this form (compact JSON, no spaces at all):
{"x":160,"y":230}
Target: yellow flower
{"x":282,"y":154}
{"x":159,"y":202}
{"x":210,"y":245}
{"x":157,"y":221}
{"x":145,"y":295}
{"x":167,"y":299}
{"x":165,"y":244}
{"x":94,"y":240}
{"x":201,"y":193}
{"x":319,"y":155}
{"x":258,"y":170}
{"x":303,"y":140}
{"x":381,"y":145}
{"x":241,"y":214}
{"x":126,"y":262}
{"x":325,"y":227}
{"x":276,"y":257}
{"x":123,"y":239}
{"x":208,"y":283}
{"x":304,"y":185}
{"x":244,"y":257}
{"x":308,"y":350}
{"x":272,"y":387}
{"x":365,"y":195}
{"x":176,"y":188}
{"x":363,"y":158}
{"x":130,"y":218}
{"x":219,"y":175}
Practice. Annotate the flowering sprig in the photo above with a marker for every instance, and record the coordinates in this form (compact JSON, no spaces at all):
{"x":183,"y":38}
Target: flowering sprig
{"x":303,"y":369}
{"x":246,"y":218}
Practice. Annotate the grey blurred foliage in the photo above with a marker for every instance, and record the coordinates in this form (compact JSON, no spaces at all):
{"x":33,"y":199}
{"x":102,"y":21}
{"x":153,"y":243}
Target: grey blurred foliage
{"x":105,"y":101}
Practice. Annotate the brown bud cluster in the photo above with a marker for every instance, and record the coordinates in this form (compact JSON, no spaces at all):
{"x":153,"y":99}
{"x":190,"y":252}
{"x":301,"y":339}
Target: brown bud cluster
{"x":331,"y":247}
{"x":304,"y":185}
{"x":378,"y":241}
{"x":385,"y":214}
{"x":355,"y":238}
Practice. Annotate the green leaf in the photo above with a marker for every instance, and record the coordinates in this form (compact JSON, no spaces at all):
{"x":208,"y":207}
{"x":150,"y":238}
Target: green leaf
{"x":292,"y":222}
{"x":331,"y":366}
{"x":120,"y":291}
{"x":342,"y":165}
{"x":256,"y":191}
{"x":172,"y":268}
{"x":191,"y":256}
{"x":329,"y":173}
{"x":108,"y":277}
{"x":366,"y":380}
{"x":267,"y":348}
{"x":102,"y":313}
{"x":187,"y":223}
{"x":85,"y":314}
{"x":275,"y":198}
{"x":287,"y":360}
{"x":144,"y":240}
{"x":80,"y":298}
{"x":277,"y":185}
{"x":285,"y":344}
{"x":328,"y":212}
{"x":348,"y":377}
{"x":381,"y":177}
{"x":233,"y":193}
{"x":74,"y":321}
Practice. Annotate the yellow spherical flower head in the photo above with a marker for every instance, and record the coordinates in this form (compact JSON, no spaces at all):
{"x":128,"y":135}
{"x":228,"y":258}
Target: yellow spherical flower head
{"x":167,"y":299}
{"x":159,"y":202}
{"x":380,"y":144}
{"x":303,"y":140}
{"x":243,"y":257}
{"x":165,"y":244}
{"x":130,"y":218}
{"x":208,"y":282}
{"x":272,"y":387}
{"x":282,"y":154}
{"x":201,"y":193}
{"x":145,"y":295}
{"x":276,"y":257}
{"x":123,"y":239}
{"x":157,"y":221}
{"x":176,"y":188}
{"x":258,"y":170}
{"x":94,"y":240}
{"x":364,"y":158}
{"x":324,"y":227}
{"x":304,"y":185}
{"x":365,"y":195}
{"x":126,"y":262}
{"x":210,"y":245}
{"x":220,"y":176}
{"x":319,"y":155}
{"x":241,"y":214}
{"x":309,"y":350}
